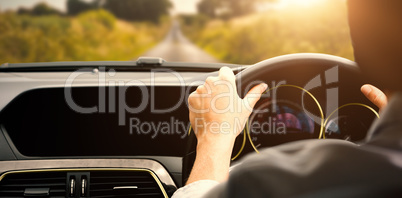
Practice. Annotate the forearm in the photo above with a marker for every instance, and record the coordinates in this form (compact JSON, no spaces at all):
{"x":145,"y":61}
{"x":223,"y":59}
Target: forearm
{"x":215,"y":109}
{"x":212,"y":163}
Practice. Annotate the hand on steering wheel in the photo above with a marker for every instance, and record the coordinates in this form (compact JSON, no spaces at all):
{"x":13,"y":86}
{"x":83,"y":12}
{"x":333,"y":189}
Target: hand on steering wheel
{"x":217,"y":115}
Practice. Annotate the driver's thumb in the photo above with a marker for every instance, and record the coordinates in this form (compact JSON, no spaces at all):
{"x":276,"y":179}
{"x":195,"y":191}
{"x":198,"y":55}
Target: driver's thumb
{"x":254,"y":95}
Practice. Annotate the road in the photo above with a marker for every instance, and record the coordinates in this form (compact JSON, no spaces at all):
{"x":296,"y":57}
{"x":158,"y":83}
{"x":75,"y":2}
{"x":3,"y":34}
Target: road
{"x":177,"y":48}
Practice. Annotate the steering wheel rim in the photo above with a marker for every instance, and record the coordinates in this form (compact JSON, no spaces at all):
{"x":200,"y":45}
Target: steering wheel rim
{"x":256,"y":71}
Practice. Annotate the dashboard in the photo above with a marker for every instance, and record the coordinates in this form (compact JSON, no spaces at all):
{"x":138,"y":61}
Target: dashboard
{"x":105,"y":122}
{"x":295,"y":115}
{"x":41,"y":119}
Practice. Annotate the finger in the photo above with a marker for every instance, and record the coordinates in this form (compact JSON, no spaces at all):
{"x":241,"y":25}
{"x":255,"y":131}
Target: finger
{"x":210,"y":81}
{"x":192,"y":98}
{"x":225,"y":73}
{"x":201,"y":89}
{"x":254,"y":95}
{"x":375,"y":95}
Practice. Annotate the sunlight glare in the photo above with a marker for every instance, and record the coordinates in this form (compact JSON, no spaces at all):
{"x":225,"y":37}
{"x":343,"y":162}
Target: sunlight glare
{"x":298,"y":3}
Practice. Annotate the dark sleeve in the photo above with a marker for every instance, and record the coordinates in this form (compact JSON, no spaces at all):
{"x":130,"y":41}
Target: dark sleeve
{"x":314,"y":168}
{"x":386,"y":132}
{"x":218,"y":192}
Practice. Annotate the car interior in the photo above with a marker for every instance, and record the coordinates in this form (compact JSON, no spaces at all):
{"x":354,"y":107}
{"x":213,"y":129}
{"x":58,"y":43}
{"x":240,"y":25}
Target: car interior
{"x":45,"y":139}
{"x":121,"y":128}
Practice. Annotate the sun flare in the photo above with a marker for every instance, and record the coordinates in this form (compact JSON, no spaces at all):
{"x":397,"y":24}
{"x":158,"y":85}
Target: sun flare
{"x":299,"y":3}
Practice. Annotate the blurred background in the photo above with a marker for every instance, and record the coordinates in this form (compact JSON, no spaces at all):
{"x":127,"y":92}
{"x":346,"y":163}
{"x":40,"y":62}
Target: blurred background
{"x":231,"y":31}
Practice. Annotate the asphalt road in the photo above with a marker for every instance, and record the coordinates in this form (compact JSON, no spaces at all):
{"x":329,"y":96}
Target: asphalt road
{"x":177,"y":48}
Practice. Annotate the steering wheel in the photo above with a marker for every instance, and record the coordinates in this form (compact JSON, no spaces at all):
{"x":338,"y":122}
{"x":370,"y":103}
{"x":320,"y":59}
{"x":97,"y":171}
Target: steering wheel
{"x":317,"y":96}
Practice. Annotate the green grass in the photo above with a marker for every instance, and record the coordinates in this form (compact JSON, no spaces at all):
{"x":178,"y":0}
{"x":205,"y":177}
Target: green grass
{"x":322,"y":29}
{"x":91,"y":36}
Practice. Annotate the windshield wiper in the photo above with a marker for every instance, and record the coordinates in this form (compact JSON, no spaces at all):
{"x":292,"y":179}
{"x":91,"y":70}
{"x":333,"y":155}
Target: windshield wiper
{"x":141,"y":64}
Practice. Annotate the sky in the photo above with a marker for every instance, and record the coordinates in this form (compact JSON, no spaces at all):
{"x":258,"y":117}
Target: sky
{"x":180,"y":6}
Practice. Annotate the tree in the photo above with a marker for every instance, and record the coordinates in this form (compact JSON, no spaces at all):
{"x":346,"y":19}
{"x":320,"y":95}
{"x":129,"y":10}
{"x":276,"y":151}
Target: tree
{"x":40,"y":9}
{"x":23,"y":10}
{"x":138,"y":10}
{"x":226,"y":8}
{"x":209,"y":7}
{"x":241,"y":7}
{"x":75,"y":7}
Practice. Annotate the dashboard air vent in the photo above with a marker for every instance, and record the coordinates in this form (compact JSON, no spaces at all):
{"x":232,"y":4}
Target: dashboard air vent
{"x":33,"y":184}
{"x":124,"y":184}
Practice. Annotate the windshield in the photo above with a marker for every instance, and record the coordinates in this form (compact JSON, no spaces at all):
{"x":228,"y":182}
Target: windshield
{"x":228,"y":31}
